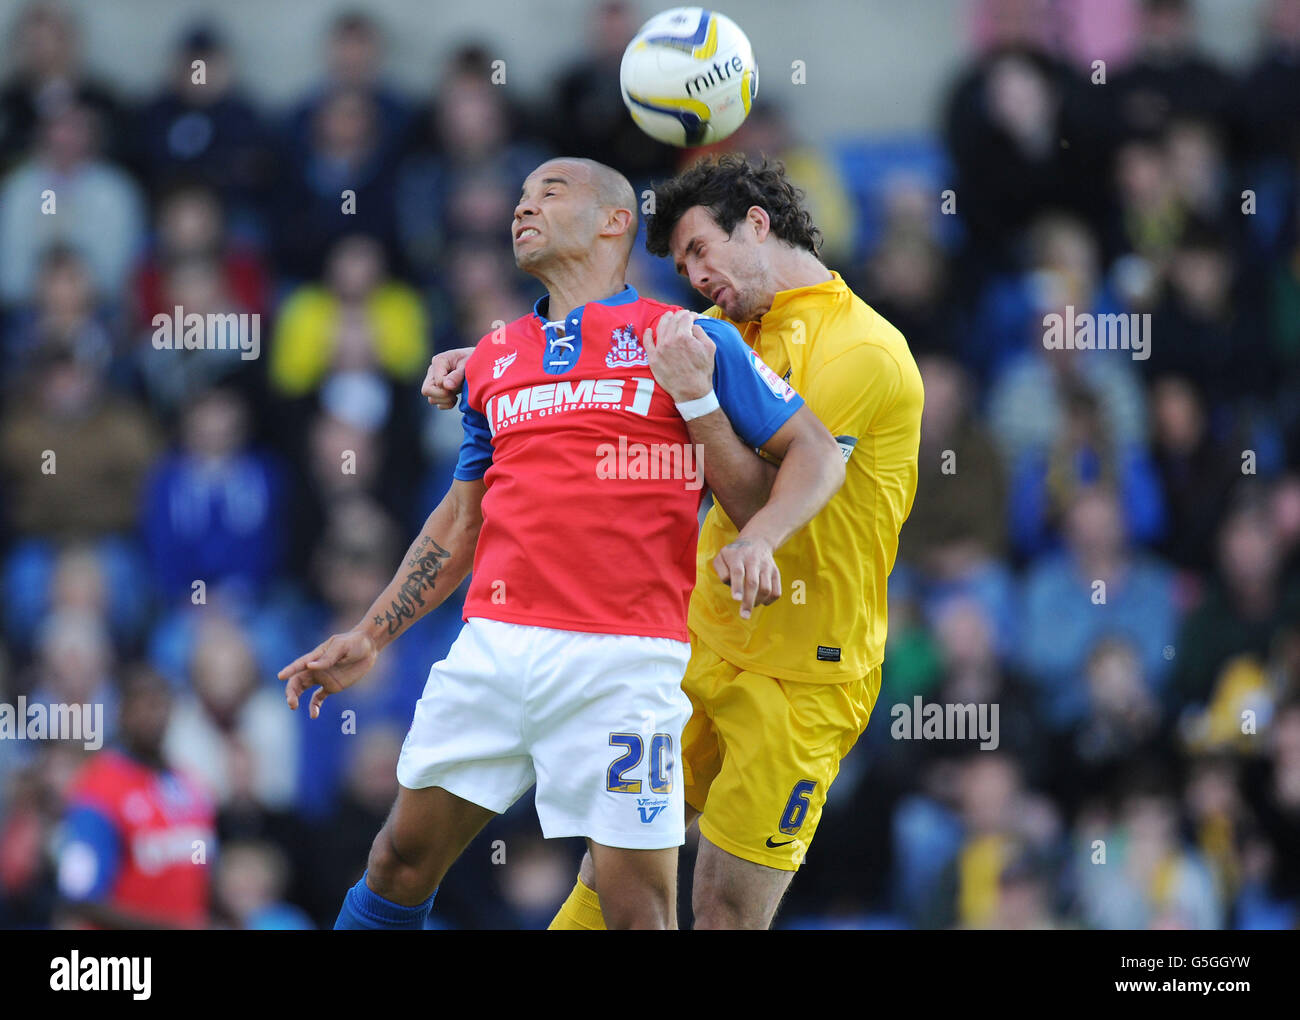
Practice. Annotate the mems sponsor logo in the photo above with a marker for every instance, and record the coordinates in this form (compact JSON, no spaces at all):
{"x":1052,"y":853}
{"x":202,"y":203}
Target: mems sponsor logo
{"x":505,"y":409}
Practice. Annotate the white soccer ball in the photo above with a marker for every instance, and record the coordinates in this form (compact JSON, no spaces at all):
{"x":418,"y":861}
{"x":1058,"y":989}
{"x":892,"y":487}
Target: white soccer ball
{"x":689,"y":77}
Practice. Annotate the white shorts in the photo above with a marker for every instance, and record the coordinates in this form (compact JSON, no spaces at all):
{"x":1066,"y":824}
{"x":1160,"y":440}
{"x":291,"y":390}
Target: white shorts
{"x":595,"y":720}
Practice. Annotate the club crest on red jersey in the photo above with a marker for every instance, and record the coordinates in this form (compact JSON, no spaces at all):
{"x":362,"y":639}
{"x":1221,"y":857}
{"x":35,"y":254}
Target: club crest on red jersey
{"x":626,"y":351}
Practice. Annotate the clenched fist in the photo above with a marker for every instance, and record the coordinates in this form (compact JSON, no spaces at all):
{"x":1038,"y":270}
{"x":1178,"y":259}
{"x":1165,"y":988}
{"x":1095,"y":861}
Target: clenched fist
{"x":680,"y":355}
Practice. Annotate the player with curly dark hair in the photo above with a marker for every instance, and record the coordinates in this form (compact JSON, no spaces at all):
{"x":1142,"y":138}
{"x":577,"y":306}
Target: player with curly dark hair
{"x":728,"y":187}
{"x":779,"y":699}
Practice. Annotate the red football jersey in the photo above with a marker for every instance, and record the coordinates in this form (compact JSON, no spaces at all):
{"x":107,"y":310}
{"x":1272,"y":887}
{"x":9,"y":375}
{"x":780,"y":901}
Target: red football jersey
{"x":593,"y":484}
{"x":139,"y":840}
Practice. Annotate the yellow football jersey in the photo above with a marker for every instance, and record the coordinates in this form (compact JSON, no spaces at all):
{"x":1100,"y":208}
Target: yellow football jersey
{"x":857,"y":375}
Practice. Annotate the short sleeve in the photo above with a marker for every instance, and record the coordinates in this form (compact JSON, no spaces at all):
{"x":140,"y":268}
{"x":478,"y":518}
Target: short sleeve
{"x":89,"y":855}
{"x":755,"y":399}
{"x":476,"y":448}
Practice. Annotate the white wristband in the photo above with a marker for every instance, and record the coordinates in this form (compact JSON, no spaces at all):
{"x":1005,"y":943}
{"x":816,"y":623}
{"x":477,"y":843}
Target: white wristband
{"x":699,"y":407}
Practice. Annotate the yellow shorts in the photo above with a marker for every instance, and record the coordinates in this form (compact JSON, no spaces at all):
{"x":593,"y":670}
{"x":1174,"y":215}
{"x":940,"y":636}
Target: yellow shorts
{"x":759,"y":754}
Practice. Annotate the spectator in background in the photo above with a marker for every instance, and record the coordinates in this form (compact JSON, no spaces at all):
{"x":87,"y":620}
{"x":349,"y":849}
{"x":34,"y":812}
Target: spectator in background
{"x":1168,"y":77}
{"x":102,"y":444}
{"x":340,"y":183}
{"x":1197,"y":473}
{"x":1148,"y":219}
{"x":997,"y":819}
{"x":1219,"y":820}
{"x":1097,"y":587}
{"x":336,"y":439}
{"x":228,"y":715}
{"x":588,"y":113}
{"x":906,"y":281}
{"x":138,"y":836}
{"x":1198,"y":165}
{"x":462,"y":180}
{"x":250,"y":884}
{"x":1250,"y":602}
{"x":47,"y":75}
{"x":197,"y":285}
{"x":480,"y":287}
{"x":358,"y":321}
{"x":1044,"y":486}
{"x":1152,"y":878}
{"x":31,"y":803}
{"x":1062,"y":267}
{"x":1005,"y":122}
{"x":213,"y":506}
{"x":1208,"y":327}
{"x":1271,"y":785}
{"x":960,"y":526}
{"x":974,"y":673}
{"x":1270,"y":93}
{"x":98,"y":210}
{"x":1122,"y":725}
{"x":354,"y":60}
{"x":955,"y":537}
{"x":1028,"y":401}
{"x":202,"y":128}
{"x":74,"y":665}
{"x":354,"y":348}
{"x":76,"y":578}
{"x":1026,"y":895}
{"x":64,"y":316}
{"x":190,"y":225}
{"x":359,"y":548}
{"x":339,"y":840}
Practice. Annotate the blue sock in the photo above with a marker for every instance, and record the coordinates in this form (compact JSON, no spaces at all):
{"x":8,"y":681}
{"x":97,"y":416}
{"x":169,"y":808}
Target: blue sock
{"x":365,"y":909}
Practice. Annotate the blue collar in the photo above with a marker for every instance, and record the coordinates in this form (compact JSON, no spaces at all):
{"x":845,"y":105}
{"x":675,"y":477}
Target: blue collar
{"x":624,"y":297}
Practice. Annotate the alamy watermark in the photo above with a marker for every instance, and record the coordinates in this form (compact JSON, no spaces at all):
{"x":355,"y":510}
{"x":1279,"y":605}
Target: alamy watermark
{"x":919,"y":721}
{"x":681,"y":461}
{"x":42,"y":721}
{"x":216,"y":331}
{"x":1086,"y":331}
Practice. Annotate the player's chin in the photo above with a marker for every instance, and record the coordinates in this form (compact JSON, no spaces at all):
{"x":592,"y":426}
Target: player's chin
{"x":527,"y":257}
{"x":737,"y":308}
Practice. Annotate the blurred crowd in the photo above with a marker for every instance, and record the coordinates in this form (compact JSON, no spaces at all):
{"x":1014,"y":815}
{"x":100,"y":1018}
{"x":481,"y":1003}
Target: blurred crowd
{"x":1103,"y":546}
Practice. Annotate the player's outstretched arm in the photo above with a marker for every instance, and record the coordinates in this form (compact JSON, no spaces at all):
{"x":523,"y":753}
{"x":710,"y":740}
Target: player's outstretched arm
{"x":446,"y":376}
{"x":432,"y":569}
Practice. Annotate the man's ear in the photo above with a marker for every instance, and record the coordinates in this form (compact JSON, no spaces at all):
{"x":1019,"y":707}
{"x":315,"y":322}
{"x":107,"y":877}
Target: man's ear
{"x":619,"y":221}
{"x":759,"y":221}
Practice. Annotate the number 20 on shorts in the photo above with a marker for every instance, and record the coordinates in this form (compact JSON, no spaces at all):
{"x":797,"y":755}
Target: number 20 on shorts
{"x":661,"y":763}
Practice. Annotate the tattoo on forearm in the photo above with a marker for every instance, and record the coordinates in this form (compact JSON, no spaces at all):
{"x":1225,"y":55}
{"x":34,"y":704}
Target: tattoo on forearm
{"x":425,"y":561}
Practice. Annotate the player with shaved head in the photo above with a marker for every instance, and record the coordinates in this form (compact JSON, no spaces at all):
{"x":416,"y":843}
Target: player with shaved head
{"x":575,"y":502}
{"x":778,"y":699}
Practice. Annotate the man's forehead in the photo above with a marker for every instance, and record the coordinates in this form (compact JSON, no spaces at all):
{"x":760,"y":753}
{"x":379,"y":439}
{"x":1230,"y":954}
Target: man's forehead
{"x":695,"y":223}
{"x":558,"y":170}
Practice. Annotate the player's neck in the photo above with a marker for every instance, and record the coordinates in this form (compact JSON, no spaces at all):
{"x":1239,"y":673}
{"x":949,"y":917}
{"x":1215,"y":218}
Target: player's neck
{"x":793,"y":268}
{"x":573,"y":287}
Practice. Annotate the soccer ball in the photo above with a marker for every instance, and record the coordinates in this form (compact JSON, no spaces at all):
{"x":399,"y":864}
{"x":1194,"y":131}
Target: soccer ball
{"x":689,"y":77}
